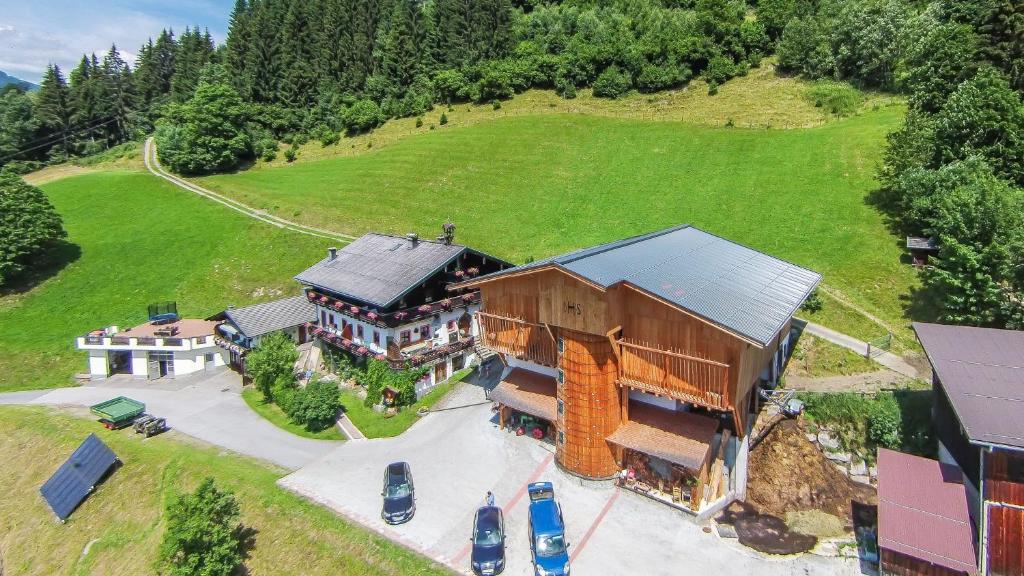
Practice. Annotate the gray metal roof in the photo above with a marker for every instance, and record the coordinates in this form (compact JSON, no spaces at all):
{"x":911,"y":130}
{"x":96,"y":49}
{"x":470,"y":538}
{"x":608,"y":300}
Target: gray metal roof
{"x":982,"y":373}
{"x":77,"y":476}
{"x":740,"y":289}
{"x":379,"y":269}
{"x":260,"y":319}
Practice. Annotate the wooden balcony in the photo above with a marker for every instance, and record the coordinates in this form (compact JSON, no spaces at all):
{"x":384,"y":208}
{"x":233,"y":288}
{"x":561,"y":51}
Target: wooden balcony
{"x":680,"y":376}
{"x":518,"y":338}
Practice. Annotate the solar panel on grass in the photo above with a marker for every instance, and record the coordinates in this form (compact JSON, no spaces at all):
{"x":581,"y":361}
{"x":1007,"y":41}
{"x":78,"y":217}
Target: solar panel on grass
{"x":77,"y":477}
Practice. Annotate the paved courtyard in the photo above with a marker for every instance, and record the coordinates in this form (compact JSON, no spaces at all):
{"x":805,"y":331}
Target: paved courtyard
{"x":457,"y":454}
{"x":206,"y":406}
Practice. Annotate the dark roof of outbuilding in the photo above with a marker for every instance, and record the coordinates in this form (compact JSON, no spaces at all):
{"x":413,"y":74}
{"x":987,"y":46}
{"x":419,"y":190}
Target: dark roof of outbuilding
{"x":77,"y":476}
{"x":738,"y":288}
{"x":379,"y":269}
{"x":982,"y":373}
{"x":923,"y":511}
{"x":260,"y":319}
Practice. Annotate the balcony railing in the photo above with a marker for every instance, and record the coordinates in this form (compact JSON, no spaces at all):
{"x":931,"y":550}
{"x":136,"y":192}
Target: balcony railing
{"x":398,"y":317}
{"x":518,"y":338}
{"x":421,"y":357}
{"x":681,"y":376}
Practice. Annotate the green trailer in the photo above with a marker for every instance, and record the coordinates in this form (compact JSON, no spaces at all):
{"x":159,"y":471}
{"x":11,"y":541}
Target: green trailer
{"x":118,"y":412}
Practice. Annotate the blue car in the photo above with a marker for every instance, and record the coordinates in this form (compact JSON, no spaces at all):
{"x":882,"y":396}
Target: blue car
{"x":547,"y":532}
{"x":488,"y":557}
{"x":399,"y":494}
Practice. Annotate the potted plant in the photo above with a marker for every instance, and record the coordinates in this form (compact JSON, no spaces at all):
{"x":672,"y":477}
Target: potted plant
{"x":354,"y":310}
{"x":424,"y":309}
{"x":372,"y":316}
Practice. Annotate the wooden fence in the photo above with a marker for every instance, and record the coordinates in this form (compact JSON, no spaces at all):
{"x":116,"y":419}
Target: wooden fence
{"x":673,"y":374}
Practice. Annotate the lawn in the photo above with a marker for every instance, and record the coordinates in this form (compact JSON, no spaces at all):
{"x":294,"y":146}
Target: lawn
{"x":117,"y":530}
{"x":532,"y":186}
{"x":273,"y":414}
{"x":815,"y":358}
{"x":135,"y":239}
{"x":374,"y":424}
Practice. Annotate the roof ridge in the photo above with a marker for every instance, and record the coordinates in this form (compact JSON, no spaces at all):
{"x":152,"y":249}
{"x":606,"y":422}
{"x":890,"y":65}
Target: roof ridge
{"x":406,"y":238}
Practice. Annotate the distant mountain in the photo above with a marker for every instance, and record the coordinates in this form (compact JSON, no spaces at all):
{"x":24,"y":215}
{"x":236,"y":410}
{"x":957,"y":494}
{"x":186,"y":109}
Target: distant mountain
{"x":5,"y":80}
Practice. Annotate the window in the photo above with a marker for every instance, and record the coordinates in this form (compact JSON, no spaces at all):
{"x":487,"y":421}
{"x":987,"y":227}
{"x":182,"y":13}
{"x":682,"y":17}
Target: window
{"x":453,"y":325}
{"x":561,"y":376}
{"x":561,"y":407}
{"x":561,"y":345}
{"x":333,"y":325}
{"x":376,"y":337}
{"x":425,"y":331}
{"x":323,"y":318}
{"x":405,"y":336}
{"x":561,"y":437}
{"x":359,"y":331}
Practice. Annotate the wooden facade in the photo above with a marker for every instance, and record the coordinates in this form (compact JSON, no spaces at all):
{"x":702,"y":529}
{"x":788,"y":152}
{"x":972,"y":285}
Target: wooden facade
{"x":615,"y":340}
{"x":895,"y":564}
{"x":1004,"y":500}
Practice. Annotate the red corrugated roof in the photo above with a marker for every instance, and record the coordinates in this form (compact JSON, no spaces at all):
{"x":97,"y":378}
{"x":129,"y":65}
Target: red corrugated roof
{"x":922,"y":511}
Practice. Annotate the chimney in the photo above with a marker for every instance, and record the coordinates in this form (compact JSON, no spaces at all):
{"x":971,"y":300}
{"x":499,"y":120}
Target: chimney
{"x":448,"y":230}
{"x":413,"y":237}
{"x":332,"y":253}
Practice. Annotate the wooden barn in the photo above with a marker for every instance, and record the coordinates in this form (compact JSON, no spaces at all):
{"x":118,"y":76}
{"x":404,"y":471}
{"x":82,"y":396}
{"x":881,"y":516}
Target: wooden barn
{"x":978,"y":388}
{"x":645,"y":355}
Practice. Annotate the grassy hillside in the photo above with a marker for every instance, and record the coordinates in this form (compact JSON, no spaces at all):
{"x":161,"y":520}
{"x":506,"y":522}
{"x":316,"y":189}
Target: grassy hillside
{"x":118,"y":529}
{"x":531,"y":186}
{"x":137,"y":239}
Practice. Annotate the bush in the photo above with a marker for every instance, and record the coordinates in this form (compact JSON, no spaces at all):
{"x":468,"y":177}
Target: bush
{"x":205,"y":134}
{"x":496,"y":82}
{"x":316,"y":406}
{"x":29,"y":226}
{"x":203,"y":534}
{"x":884,"y":426}
{"x":291,"y":153}
{"x":444,"y":119}
{"x":419,"y":121}
{"x":613,"y":83}
{"x":451,"y":86}
{"x":837,"y":98}
{"x":271,"y":363}
{"x":813,"y":303}
{"x":361,"y":116}
{"x":265,"y":148}
{"x":496,"y":105}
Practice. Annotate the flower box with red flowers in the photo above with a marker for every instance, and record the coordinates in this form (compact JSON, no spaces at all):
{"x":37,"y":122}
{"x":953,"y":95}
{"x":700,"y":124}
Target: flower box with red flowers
{"x":425,"y":309}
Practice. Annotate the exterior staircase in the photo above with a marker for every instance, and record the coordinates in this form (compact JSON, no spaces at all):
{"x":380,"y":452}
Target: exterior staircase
{"x":483,"y":353}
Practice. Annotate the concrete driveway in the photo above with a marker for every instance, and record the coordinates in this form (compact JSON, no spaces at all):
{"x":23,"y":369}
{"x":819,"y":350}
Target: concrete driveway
{"x":207,"y":406}
{"x":457,"y":454}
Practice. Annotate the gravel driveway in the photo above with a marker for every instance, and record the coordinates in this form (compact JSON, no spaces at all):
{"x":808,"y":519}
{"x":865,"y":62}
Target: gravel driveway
{"x":458,"y":454}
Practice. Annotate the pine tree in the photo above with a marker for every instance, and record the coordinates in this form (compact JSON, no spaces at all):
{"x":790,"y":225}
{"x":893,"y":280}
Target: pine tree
{"x":298,"y":53}
{"x":195,"y":50}
{"x":1002,"y":35}
{"x":404,"y":50}
{"x":120,"y":91}
{"x":237,"y":48}
{"x":164,"y":52}
{"x":53,"y":107}
{"x":262,"y":61}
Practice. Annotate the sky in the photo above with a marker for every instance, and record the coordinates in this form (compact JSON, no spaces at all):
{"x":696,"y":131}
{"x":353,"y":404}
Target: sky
{"x":34,"y":33}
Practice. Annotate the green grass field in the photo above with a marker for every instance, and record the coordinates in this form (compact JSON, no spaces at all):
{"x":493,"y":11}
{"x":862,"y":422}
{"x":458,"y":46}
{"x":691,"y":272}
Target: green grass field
{"x":532,"y":186}
{"x":117,"y":530}
{"x":140,"y":240}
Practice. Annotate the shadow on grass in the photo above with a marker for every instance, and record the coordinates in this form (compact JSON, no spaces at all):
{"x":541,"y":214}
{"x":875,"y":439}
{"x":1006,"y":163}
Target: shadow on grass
{"x":918,"y":435}
{"x":246,"y":537}
{"x":43,"y":268}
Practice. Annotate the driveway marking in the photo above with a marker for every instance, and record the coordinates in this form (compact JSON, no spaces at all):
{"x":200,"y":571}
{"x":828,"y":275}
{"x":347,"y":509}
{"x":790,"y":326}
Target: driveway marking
{"x":511,"y":503}
{"x":593,"y":527}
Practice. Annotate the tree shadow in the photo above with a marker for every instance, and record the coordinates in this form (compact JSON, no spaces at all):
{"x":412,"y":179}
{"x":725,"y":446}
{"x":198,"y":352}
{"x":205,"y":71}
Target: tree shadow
{"x":246,"y":536}
{"x":42,"y":268}
{"x":922,"y":304}
{"x":916,"y":422}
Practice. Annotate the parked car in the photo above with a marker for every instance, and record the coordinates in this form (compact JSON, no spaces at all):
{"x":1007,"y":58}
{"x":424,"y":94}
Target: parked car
{"x":547,"y":532}
{"x":399,"y":494}
{"x":488,"y":555}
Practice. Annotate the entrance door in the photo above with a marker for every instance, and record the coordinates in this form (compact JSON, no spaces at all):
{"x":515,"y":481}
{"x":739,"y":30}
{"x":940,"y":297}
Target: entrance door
{"x":210,"y":360}
{"x":302,"y":333}
{"x":161,"y":365}
{"x":440,"y":372}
